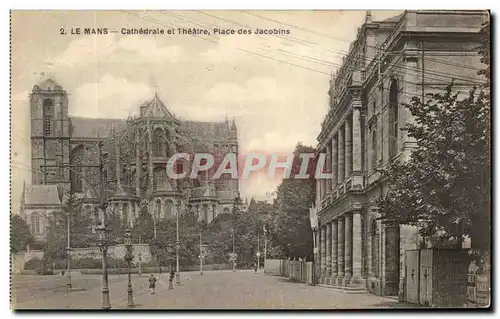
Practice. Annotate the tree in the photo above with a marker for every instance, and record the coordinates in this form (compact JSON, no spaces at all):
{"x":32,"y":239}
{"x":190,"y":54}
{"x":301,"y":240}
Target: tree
{"x":142,"y":232}
{"x":20,"y":234}
{"x":292,"y":230}
{"x":444,"y":188}
{"x":57,"y":232}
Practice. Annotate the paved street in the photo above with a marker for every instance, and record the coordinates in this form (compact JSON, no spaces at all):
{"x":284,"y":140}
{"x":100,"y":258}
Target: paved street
{"x":212,"y":290}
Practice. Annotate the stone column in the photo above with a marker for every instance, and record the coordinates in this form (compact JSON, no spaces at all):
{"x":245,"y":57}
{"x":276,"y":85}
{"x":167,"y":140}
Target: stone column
{"x":356,"y":247}
{"x":322,"y":252}
{"x":340,"y":251}
{"x":348,"y":148}
{"x":334,"y":162}
{"x":357,"y":173}
{"x":328,"y":165}
{"x":348,"y":250}
{"x":335,"y":235}
{"x":328,"y":259}
{"x":340,"y":158}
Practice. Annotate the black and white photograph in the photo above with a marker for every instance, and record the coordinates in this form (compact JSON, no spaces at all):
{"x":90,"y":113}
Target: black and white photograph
{"x":250,"y":160}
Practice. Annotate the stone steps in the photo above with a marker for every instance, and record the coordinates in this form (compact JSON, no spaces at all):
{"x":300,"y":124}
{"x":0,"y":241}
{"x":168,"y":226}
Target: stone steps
{"x":352,"y":289}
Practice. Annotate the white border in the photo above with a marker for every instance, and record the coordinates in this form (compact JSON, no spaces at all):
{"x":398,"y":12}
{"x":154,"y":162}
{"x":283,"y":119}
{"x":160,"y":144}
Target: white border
{"x":185,"y":4}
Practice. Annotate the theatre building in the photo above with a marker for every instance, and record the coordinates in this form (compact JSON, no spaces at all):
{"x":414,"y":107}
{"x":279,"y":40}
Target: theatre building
{"x":390,"y":61}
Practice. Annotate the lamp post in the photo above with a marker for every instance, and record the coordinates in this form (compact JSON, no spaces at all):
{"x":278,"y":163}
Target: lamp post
{"x":258,"y":260}
{"x":177,"y":247}
{"x":103,"y":245}
{"x":128,"y":259}
{"x":234,"y":258}
{"x":201,"y":257}
{"x":170,"y":251}
{"x":258,"y":252}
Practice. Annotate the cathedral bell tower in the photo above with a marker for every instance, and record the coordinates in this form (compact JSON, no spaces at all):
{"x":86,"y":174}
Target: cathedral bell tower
{"x":50,"y":133}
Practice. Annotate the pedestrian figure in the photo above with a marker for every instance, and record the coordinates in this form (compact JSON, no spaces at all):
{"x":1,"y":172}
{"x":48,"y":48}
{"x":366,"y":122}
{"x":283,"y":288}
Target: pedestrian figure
{"x":254,"y":265}
{"x":152,"y":283}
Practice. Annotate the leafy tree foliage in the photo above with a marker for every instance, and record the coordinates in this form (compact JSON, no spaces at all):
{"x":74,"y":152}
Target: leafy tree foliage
{"x":290,"y":225}
{"x":20,"y":234}
{"x":57,"y":233}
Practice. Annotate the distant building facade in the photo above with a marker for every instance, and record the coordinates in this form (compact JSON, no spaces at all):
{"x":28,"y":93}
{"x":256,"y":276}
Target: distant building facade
{"x":390,"y":61}
{"x":135,"y":154}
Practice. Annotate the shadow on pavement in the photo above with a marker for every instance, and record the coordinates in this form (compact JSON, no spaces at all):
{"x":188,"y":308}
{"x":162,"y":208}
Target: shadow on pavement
{"x":400,"y":305}
{"x":291,"y":281}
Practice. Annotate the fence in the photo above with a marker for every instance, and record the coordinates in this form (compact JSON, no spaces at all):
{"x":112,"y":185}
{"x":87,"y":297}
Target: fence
{"x":301,"y":271}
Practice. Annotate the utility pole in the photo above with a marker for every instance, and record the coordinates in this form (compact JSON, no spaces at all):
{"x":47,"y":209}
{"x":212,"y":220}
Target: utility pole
{"x":69,"y":210}
{"x":234,"y":258}
{"x":177,"y":247}
{"x":423,"y":71}
{"x":258,"y":251}
{"x":265,"y":248}
{"x":201,"y":257}
{"x":106,"y":304}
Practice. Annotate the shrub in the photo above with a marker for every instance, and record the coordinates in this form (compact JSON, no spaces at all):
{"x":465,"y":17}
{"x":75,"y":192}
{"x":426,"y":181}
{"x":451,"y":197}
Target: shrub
{"x":34,"y":263}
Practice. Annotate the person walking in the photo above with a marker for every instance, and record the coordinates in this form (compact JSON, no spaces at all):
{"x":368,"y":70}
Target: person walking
{"x":254,"y":265}
{"x":152,"y":283}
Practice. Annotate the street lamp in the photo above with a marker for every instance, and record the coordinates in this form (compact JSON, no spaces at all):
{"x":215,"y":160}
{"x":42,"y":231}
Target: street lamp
{"x":170,"y":251}
{"x":128,"y":259}
{"x":233,"y":256}
{"x":177,"y":246}
{"x":258,"y":260}
{"x":67,"y":203}
{"x":201,"y":257}
{"x":103,"y":245}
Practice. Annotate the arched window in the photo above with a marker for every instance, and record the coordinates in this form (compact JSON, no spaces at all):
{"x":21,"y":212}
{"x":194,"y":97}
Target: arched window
{"x":77,"y":171}
{"x":35,"y":223}
{"x":205,"y":212}
{"x":374,"y":149}
{"x":157,"y":210}
{"x":159,"y":142}
{"x":48,"y":116}
{"x":214,"y":211}
{"x":393,"y":118}
{"x":226,"y":210}
{"x":159,"y":177}
{"x":169,"y":209}
{"x":126,"y":219}
{"x":375,"y":248}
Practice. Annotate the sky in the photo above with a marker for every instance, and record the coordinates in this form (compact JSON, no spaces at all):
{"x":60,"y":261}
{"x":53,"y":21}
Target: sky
{"x":275,"y":87}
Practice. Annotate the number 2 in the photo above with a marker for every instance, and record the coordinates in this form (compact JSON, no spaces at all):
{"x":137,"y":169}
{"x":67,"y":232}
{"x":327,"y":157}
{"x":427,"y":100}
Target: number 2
{"x":62,"y":31}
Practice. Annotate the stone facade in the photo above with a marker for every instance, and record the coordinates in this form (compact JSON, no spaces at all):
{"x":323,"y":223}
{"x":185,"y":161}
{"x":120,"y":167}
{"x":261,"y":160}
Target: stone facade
{"x":135,"y":153}
{"x":390,"y":62}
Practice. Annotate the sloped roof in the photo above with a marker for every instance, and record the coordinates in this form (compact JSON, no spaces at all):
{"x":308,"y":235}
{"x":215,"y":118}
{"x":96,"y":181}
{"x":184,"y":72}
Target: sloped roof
{"x":49,"y":84}
{"x":93,"y":127}
{"x":155,"y":108}
{"x":208,"y":130}
{"x":43,"y":195}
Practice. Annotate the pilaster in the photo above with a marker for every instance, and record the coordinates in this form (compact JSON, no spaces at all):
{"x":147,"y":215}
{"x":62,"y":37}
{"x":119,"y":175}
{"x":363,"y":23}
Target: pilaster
{"x":328,"y":261}
{"x":341,"y":157}
{"x":335,"y":235}
{"x":347,"y":249}
{"x":340,"y":250}
{"x":348,"y":148}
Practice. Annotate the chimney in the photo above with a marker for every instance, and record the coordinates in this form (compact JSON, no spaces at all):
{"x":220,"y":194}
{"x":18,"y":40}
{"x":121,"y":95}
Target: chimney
{"x":368,"y":17}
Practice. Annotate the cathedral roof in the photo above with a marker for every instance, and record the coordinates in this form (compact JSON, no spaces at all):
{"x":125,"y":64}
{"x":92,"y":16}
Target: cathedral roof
{"x":43,"y":195}
{"x":48,"y":85}
{"x":208,"y":130}
{"x":155,"y":108}
{"x":94,"y":127}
